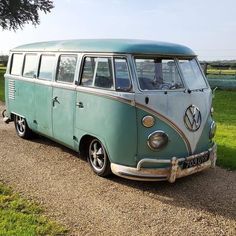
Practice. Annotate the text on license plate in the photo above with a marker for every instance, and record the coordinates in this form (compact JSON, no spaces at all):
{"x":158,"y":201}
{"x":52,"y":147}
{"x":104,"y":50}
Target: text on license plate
{"x":196,"y":161}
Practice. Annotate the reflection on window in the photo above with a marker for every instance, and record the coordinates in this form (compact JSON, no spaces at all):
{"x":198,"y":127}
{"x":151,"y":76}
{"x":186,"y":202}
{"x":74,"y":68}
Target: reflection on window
{"x":192,"y":74}
{"x":158,"y":74}
{"x":66,"y":69}
{"x":47,"y":64}
{"x":30,"y":67}
{"x":122,"y":74}
{"x":17,"y":61}
{"x":97,"y":72}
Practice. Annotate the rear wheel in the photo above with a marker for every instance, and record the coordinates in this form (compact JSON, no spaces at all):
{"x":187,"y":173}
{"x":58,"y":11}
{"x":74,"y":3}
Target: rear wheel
{"x":22,"y":128}
{"x":98,"y":159}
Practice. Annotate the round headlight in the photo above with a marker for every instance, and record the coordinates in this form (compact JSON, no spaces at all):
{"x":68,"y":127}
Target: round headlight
{"x":148,"y":121}
{"x":212,"y":130}
{"x":157,"y":140}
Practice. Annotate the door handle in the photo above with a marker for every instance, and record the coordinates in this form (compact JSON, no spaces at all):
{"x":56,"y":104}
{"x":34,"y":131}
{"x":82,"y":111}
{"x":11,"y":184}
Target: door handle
{"x":54,"y":100}
{"x":80,"y":104}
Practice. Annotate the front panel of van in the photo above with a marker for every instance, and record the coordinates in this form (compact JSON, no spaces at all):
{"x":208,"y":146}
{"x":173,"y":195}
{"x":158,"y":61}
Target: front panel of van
{"x":176,"y":111}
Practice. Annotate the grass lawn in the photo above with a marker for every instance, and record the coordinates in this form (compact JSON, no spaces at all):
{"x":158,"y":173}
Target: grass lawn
{"x":21,"y":217}
{"x":225,"y":116}
{"x":2,"y":72}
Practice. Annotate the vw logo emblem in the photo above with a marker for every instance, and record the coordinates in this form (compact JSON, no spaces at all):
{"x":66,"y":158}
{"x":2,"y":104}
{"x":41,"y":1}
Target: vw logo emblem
{"x":192,"y":118}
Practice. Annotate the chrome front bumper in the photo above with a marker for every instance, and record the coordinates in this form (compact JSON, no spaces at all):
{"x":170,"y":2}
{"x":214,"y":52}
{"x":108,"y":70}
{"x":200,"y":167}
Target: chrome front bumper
{"x":6,"y":119}
{"x":170,"y":173}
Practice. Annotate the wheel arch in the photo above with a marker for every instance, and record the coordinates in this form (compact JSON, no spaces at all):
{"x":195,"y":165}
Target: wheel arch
{"x":85,"y":141}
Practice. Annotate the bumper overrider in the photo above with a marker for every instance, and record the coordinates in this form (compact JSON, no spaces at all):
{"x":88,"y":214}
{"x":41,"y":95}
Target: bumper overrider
{"x":171,"y":173}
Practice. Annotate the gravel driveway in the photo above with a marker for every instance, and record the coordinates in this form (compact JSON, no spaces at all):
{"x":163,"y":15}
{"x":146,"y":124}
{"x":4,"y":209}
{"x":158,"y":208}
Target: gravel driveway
{"x":54,"y":176}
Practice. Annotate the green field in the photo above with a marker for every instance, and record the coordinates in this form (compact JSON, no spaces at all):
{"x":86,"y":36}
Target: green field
{"x":21,"y":217}
{"x":225,"y":115}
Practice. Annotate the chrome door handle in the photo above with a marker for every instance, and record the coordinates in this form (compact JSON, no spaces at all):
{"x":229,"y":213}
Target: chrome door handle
{"x":54,"y":100}
{"x":80,"y":104}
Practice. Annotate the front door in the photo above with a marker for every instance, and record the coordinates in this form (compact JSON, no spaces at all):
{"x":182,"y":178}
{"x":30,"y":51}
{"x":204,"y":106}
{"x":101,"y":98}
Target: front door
{"x":63,"y":101}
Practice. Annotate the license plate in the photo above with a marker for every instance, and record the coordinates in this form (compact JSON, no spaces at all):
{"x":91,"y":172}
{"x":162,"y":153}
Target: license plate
{"x":196,"y":161}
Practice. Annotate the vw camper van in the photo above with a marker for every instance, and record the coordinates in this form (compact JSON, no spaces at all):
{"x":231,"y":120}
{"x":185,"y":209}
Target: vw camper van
{"x":139,"y":109}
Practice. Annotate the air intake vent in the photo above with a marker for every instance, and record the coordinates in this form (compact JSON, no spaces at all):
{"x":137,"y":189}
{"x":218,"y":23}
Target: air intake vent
{"x":11,"y":89}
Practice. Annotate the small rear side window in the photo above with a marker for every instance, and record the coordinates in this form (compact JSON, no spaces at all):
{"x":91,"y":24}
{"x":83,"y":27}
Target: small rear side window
{"x":66,"y":68}
{"x":30,"y":66}
{"x":16,"y":65}
{"x":47,"y":65}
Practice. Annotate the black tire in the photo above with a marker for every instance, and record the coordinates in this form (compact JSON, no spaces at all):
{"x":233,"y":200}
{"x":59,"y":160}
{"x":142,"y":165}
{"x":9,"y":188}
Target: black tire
{"x":22,"y":128}
{"x":98,"y":159}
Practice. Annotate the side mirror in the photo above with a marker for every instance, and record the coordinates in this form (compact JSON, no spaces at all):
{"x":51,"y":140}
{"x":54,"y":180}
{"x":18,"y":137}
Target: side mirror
{"x":213,"y":91}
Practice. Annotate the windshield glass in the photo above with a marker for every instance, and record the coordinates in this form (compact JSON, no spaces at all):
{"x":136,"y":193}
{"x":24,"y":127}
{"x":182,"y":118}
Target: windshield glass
{"x":192,"y":74}
{"x":163,"y":74}
{"x":158,"y":74}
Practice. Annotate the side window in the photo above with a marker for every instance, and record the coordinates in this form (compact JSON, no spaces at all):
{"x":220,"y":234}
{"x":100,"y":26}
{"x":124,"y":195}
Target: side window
{"x":88,"y":72}
{"x":103,"y":78}
{"x":97,"y":72}
{"x":16,"y":65}
{"x":66,"y":68}
{"x":47,"y":64}
{"x":122,"y":74}
{"x":30,"y":66}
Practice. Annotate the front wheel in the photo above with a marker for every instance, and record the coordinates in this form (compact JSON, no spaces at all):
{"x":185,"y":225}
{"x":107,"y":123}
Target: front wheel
{"x":22,"y":128}
{"x":98,"y":159}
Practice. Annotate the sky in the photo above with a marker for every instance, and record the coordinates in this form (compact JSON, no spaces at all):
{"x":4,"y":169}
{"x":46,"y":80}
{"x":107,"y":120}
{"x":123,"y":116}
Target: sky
{"x":206,"y":26}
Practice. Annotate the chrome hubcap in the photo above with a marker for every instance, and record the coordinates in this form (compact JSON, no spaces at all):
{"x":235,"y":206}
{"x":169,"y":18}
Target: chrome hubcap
{"x":97,"y":155}
{"x":20,"y":123}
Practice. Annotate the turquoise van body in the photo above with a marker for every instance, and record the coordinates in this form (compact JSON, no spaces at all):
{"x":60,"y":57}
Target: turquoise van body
{"x":139,"y":109}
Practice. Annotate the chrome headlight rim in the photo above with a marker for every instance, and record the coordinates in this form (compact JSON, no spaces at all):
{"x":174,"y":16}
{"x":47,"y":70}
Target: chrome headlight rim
{"x":161,"y":134}
{"x":212,"y":132}
{"x":148,"y":121}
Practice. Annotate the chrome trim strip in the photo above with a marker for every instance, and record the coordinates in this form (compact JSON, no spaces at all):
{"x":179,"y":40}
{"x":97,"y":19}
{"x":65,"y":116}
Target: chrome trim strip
{"x":68,"y":86}
{"x":18,"y":77}
{"x":151,"y":161}
{"x":106,"y":94}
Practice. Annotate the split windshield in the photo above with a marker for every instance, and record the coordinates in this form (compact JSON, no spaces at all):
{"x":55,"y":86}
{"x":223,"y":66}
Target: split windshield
{"x":165,"y":74}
